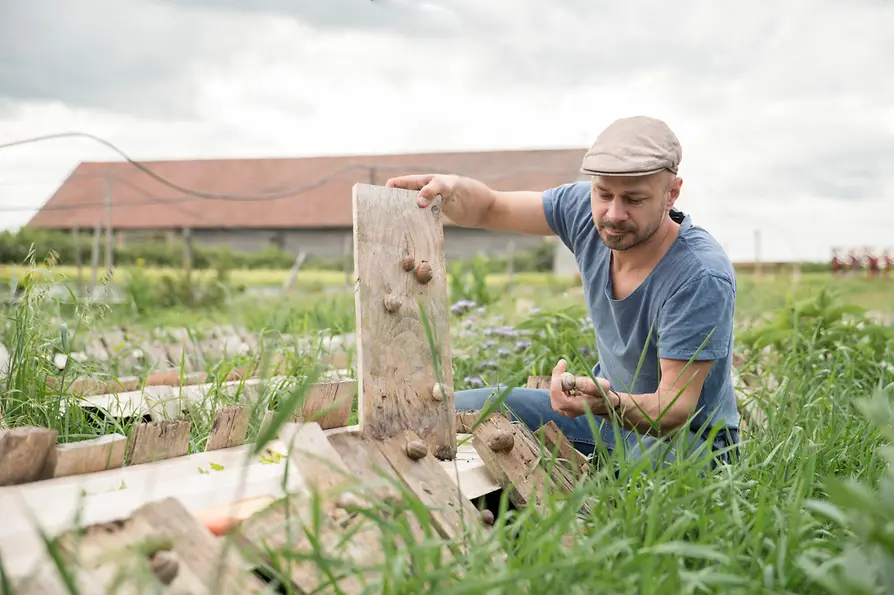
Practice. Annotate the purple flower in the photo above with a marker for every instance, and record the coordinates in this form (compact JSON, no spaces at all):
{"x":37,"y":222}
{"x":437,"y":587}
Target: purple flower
{"x":474,"y":381}
{"x":503,"y":352}
{"x":522,"y":345}
{"x":489,"y":363}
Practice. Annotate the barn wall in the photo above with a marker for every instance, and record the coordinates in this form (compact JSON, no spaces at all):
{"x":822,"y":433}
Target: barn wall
{"x":458,"y":242}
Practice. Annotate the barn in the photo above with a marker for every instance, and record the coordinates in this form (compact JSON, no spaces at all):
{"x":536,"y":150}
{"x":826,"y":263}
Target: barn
{"x":300,"y":204}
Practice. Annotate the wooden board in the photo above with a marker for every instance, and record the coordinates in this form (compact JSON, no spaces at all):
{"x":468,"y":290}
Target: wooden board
{"x":395,"y":364}
{"x":556,"y":442}
{"x":329,"y":403}
{"x":540,"y":382}
{"x":23,"y":453}
{"x":163,"y":544}
{"x":321,"y":519}
{"x":451,"y":513}
{"x":516,"y":469}
{"x":157,"y":440}
{"x":86,"y":456}
{"x":229,"y":427}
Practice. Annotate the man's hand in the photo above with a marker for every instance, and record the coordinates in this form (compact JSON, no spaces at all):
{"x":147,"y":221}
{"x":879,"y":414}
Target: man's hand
{"x":428,"y":185}
{"x":464,"y":201}
{"x":585,"y":395}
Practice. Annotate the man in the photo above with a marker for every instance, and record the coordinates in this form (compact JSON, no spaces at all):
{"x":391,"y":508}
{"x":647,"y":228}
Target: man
{"x":658,"y":289}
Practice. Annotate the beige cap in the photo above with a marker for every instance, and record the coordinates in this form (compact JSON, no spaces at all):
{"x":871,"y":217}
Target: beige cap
{"x":635,"y":146}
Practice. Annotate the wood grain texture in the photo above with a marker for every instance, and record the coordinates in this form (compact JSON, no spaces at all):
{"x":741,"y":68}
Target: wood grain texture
{"x":86,"y":456}
{"x":198,"y":561}
{"x":451,"y":513}
{"x":229,"y":427}
{"x":517,"y":469}
{"x":23,"y":453}
{"x":322,"y":518}
{"x":395,"y":364}
{"x":375,"y":475}
{"x":556,"y":442}
{"x":541,"y":382}
{"x":329,"y":403}
{"x":157,"y":441}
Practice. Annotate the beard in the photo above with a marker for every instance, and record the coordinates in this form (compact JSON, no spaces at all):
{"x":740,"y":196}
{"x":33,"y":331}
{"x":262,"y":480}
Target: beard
{"x":631,"y":236}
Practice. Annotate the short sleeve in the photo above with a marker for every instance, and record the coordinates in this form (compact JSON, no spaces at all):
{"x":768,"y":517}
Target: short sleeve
{"x":696,"y":323}
{"x":568,"y":212}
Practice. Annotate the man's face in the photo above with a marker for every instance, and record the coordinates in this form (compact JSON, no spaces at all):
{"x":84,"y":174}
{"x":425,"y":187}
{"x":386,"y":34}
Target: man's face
{"x":627,"y":211}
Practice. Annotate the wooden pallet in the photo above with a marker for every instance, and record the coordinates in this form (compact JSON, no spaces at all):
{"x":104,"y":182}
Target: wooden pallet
{"x":138,"y":509}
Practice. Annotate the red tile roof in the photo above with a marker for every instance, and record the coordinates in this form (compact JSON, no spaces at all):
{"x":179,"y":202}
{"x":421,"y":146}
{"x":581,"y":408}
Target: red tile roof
{"x":141,"y":202}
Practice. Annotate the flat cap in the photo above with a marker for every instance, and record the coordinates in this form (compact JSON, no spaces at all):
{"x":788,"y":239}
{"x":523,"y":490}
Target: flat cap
{"x":635,"y":146}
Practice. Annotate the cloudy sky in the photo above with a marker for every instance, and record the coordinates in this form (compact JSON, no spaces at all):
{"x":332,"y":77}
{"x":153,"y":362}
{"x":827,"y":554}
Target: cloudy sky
{"x":785,"y":110}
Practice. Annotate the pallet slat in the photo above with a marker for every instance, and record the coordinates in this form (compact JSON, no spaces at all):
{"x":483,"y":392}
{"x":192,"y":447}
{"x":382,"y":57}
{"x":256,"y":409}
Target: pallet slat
{"x":397,"y":384}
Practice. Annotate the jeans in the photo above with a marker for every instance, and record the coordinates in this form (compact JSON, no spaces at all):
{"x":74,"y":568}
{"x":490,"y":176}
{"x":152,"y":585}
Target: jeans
{"x":532,"y":407}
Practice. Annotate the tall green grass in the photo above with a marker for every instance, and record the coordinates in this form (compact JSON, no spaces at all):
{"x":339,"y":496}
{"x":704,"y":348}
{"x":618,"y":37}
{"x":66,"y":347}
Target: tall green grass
{"x":808,"y":507}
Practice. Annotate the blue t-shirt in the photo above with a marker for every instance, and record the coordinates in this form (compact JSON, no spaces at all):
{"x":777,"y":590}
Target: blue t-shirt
{"x":682,"y":310}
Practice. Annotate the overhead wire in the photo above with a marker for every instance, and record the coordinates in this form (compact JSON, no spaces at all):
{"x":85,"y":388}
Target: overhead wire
{"x":220,"y":196}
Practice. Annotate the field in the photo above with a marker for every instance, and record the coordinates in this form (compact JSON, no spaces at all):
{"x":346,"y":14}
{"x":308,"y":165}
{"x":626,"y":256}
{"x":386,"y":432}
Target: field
{"x":808,"y":508}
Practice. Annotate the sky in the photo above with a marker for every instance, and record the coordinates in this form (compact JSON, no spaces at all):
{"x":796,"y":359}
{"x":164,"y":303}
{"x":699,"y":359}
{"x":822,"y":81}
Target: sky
{"x":785,"y":111}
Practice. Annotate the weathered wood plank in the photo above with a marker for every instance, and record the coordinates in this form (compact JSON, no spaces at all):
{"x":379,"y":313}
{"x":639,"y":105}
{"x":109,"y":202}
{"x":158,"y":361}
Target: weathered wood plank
{"x":24,"y":452}
{"x":229,"y":427}
{"x":372,"y":470}
{"x":555,"y":441}
{"x":451,"y":513}
{"x":396,"y":368}
{"x":321,"y":519}
{"x":512,"y":460}
{"x":163,"y":542}
{"x":206,"y":481}
{"x":329,"y":403}
{"x":157,"y":440}
{"x":541,"y":382}
{"x":86,"y":456}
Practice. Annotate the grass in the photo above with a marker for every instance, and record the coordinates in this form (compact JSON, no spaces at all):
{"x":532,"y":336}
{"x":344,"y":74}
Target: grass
{"x":808,"y":508}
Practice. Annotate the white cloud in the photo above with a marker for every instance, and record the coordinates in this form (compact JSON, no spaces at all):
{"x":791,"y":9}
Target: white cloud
{"x":784,"y":109}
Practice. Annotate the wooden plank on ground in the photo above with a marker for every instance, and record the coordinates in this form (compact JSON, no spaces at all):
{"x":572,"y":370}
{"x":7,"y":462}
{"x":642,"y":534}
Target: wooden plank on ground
{"x":329,"y":403}
{"x":161,"y":543}
{"x":322,"y":520}
{"x":23,"y":453}
{"x":229,"y":427}
{"x":157,"y":440}
{"x":86,"y":456}
{"x":204,"y":482}
{"x":512,"y":460}
{"x":555,"y":441}
{"x":452,"y":514}
{"x":372,"y":470}
{"x":541,"y":382}
{"x":396,"y":368}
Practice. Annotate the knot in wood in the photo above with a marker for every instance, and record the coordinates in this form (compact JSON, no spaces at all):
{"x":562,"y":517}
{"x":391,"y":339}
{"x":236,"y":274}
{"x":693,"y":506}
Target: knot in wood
{"x":423,"y":272}
{"x":392,"y":303}
{"x":487,"y":517}
{"x":416,"y":450}
{"x":408,"y":263}
{"x":165,"y":566}
{"x":501,"y":441}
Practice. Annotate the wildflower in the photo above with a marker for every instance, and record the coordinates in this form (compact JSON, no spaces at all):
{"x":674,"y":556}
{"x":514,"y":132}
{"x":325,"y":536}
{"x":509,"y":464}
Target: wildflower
{"x":474,"y":381}
{"x":522,"y":345}
{"x":503,"y":352}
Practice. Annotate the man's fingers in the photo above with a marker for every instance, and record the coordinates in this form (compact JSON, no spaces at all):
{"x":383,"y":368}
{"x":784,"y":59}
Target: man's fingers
{"x":428,"y":185}
{"x":412,"y":182}
{"x":586,"y":385}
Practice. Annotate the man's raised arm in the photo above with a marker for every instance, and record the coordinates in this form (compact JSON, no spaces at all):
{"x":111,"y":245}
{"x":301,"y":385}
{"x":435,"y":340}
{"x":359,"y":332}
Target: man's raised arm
{"x":470,"y":203}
